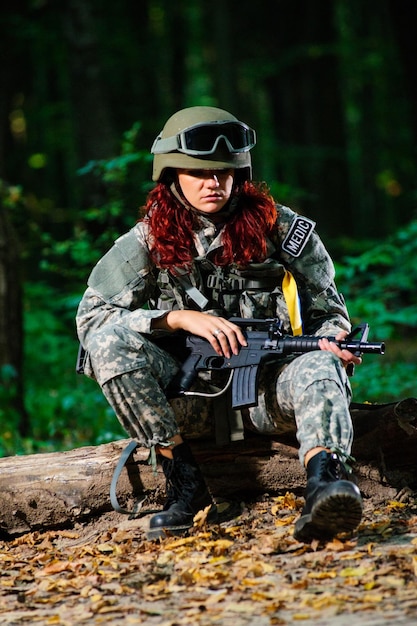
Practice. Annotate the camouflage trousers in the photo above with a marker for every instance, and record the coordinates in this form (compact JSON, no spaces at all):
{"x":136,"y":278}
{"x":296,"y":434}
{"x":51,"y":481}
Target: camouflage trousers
{"x":308,"y":397}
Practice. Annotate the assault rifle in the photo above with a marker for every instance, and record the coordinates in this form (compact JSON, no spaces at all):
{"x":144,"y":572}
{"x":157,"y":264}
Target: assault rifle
{"x":266,"y":343}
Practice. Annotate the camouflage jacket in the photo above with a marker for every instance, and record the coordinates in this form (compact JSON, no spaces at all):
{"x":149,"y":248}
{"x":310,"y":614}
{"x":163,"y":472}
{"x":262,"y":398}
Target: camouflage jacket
{"x":126,"y":288}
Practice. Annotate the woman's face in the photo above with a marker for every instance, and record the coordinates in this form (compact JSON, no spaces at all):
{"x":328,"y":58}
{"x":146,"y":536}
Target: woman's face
{"x":207,"y":191}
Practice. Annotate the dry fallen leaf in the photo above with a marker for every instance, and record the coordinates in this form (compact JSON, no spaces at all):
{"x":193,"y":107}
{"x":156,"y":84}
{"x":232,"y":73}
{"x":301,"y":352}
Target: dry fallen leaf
{"x":108,"y":573}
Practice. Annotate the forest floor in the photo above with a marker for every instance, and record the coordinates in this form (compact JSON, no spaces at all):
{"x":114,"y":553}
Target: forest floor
{"x":250,"y":571}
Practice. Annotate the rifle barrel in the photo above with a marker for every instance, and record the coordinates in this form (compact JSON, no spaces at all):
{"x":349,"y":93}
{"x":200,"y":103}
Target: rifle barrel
{"x":307,"y":343}
{"x":367,"y":347}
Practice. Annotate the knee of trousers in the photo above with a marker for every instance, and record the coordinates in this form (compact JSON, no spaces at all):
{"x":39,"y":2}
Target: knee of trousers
{"x":317,"y":366}
{"x":115,"y":350}
{"x":114,"y":343}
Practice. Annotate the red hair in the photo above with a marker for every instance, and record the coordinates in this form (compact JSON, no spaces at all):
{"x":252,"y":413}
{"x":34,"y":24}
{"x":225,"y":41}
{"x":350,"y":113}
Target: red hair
{"x":244,"y":235}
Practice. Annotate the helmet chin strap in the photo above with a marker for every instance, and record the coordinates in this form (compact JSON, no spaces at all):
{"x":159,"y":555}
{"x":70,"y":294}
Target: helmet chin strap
{"x":176,"y":191}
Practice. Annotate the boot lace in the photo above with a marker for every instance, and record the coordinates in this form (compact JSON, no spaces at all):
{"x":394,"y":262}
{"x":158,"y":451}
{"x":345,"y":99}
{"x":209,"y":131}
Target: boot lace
{"x":340,"y":464}
{"x":344,"y":460}
{"x":181,"y":482}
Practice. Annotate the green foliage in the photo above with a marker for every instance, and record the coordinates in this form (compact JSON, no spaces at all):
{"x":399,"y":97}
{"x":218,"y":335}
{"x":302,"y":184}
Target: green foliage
{"x":379,"y":284}
{"x":380,"y":379}
{"x":123,"y":181}
{"x":66,"y":410}
{"x":379,"y":287}
{"x":9,"y":417}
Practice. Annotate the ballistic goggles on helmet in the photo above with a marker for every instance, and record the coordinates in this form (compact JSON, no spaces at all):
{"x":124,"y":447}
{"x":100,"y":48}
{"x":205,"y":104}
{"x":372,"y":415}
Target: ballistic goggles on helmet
{"x":204,"y":138}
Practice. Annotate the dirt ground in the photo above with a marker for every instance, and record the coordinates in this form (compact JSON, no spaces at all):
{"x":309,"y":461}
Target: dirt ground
{"x":243,"y":572}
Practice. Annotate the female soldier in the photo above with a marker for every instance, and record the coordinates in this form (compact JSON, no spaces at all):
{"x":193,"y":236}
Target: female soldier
{"x":212,"y":245}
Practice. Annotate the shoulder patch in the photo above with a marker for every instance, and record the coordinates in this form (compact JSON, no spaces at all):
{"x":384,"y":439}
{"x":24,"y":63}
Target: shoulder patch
{"x":298,"y":235}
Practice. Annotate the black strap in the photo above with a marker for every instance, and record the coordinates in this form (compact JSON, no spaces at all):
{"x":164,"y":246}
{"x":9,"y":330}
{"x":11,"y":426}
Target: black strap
{"x":81,"y":356}
{"x":124,"y":457}
{"x":127,"y":452}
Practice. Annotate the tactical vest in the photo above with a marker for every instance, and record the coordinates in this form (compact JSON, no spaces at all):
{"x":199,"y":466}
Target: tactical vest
{"x":255,"y":291}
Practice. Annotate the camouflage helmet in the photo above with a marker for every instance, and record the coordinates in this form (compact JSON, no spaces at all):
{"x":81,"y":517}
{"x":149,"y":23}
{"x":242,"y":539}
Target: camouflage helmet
{"x":203,"y":137}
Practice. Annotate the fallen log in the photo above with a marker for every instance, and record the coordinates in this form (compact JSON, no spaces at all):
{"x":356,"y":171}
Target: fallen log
{"x":55,"y":490}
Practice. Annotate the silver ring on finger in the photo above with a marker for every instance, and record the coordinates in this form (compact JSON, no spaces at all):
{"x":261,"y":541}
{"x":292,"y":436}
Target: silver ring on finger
{"x":217,"y":332}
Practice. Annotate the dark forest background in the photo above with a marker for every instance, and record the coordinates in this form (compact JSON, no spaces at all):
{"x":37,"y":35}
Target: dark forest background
{"x":330,"y":87}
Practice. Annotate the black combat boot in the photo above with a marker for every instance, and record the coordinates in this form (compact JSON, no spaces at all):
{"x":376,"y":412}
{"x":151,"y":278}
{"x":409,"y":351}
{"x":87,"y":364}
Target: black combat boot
{"x":333,"y":504}
{"x":187,"y":494}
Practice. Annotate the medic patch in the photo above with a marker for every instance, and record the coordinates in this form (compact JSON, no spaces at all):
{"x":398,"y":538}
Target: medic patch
{"x":298,"y":235}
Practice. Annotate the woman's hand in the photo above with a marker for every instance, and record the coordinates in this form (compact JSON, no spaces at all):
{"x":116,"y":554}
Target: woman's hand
{"x":224,"y":336}
{"x":344,"y":355}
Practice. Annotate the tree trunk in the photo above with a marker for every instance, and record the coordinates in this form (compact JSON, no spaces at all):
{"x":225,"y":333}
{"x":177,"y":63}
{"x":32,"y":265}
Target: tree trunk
{"x":57,"y":489}
{"x":11,"y":325}
{"x":93,"y":124}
